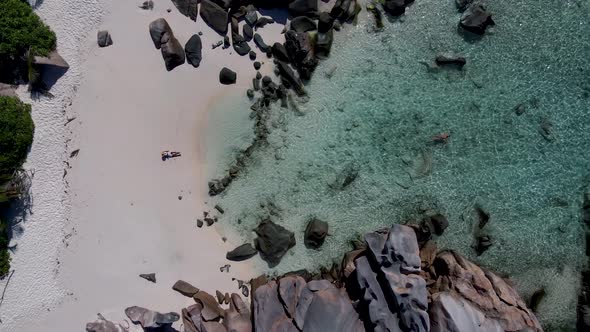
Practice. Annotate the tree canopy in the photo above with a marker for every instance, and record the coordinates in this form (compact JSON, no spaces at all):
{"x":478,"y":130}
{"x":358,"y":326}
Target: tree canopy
{"x":21,"y":29}
{"x":16,"y":133}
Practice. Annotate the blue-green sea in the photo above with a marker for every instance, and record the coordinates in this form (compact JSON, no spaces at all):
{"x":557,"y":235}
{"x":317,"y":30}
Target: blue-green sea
{"x":377,"y":113}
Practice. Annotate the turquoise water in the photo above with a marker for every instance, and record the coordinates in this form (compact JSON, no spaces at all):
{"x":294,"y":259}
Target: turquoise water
{"x":378,"y":113}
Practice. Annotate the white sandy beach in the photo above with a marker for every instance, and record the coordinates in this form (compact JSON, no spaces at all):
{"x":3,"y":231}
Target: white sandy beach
{"x":117,"y":212}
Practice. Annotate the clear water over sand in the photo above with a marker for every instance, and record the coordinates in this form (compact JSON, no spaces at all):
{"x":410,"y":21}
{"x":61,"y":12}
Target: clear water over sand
{"x":378,"y":113}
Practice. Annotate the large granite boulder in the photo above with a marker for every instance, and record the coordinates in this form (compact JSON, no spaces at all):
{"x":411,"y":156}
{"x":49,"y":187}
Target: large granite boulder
{"x":315,"y":233}
{"x":164,"y":40}
{"x":241,"y":253}
{"x":492,"y":300}
{"x":395,"y":258}
{"x":291,"y":304}
{"x":103,"y":325}
{"x":273,"y":241}
{"x":149,"y":319}
{"x":301,"y":51}
{"x":50,"y":68}
{"x":268,"y":312}
{"x":215,"y":16}
{"x":237,"y":317}
{"x":247,"y":32}
{"x":279,"y":52}
{"x":158,"y":28}
{"x":476,"y":19}
{"x":187,"y":8}
{"x":325,"y":22}
{"x":261,"y":44}
{"x":210,"y":309}
{"x":193,"y":50}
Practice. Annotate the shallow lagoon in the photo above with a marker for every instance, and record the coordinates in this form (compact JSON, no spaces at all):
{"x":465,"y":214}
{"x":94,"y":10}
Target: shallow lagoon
{"x":378,"y":113}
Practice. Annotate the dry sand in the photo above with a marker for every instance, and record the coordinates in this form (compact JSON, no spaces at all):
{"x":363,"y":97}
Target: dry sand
{"x":126,"y":217}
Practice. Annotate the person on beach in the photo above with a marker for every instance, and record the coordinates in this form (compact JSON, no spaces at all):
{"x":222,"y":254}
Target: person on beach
{"x":169,"y":154}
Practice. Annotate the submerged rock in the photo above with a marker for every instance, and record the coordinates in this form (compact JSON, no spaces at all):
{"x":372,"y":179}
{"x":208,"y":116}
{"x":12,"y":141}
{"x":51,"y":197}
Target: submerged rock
{"x":396,"y":7}
{"x":193,"y":50}
{"x":241,"y":253}
{"x":273,"y":242}
{"x":315,"y":233}
{"x":104,"y":38}
{"x":215,"y":16}
{"x":476,"y":19}
{"x":450,"y":60}
{"x":325,"y":22}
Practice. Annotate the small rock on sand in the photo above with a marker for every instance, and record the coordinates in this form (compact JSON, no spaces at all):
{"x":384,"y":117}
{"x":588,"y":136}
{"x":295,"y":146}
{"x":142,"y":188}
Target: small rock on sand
{"x":185,"y":288}
{"x":227,"y":76}
{"x":149,"y":277}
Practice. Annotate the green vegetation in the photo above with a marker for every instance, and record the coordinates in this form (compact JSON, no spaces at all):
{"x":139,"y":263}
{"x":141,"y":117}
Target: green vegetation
{"x":16,"y":137}
{"x":21,"y":31}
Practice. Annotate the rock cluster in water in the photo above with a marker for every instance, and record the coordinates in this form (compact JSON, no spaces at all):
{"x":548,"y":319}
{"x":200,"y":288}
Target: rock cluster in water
{"x":395,"y":280}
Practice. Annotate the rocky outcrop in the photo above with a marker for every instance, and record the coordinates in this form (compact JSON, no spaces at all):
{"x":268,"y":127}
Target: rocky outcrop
{"x":193,"y":50}
{"x":493,"y":302}
{"x":103,"y":325}
{"x":227,"y":76}
{"x":301,"y":52}
{"x":104,"y":38}
{"x":164,"y":40}
{"x":50,"y":68}
{"x":149,"y":319}
{"x":215,"y":16}
{"x":273,"y":242}
{"x":315,"y":233}
{"x":237,"y":317}
{"x":187,"y":8}
{"x":476,"y":19}
{"x":292,"y":304}
{"x":241,"y":253}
